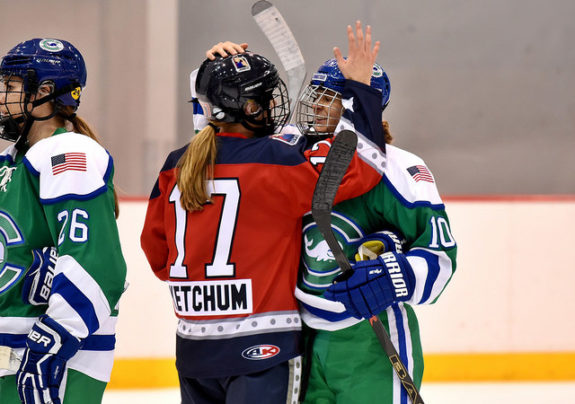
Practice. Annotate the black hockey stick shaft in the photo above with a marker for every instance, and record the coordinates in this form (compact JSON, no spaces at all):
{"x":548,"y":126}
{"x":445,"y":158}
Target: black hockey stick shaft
{"x":334,"y":168}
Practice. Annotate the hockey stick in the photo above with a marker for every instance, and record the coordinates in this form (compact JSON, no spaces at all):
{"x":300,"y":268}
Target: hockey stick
{"x":334,"y":168}
{"x":285,"y":45}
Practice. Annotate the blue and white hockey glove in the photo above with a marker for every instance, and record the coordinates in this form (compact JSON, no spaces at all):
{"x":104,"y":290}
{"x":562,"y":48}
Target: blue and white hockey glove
{"x":38,"y":281}
{"x":374,"y":285}
{"x":48,"y":347}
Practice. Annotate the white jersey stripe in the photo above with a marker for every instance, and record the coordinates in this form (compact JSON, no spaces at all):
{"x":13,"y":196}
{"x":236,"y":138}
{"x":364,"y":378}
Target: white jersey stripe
{"x":66,"y":315}
{"x":237,"y":327}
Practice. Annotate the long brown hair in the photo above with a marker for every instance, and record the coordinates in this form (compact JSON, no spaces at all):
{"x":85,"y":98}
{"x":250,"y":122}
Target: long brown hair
{"x":387,"y":132}
{"x":195,"y":167}
{"x":82,"y":127}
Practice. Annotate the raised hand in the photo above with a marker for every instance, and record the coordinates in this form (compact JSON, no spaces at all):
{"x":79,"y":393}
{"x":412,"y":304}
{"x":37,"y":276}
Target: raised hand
{"x":358,"y":65}
{"x":224,"y":49}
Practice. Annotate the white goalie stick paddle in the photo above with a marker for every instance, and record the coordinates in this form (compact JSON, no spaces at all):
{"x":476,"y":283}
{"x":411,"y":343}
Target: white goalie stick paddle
{"x":276,"y":30}
{"x":332,"y":173}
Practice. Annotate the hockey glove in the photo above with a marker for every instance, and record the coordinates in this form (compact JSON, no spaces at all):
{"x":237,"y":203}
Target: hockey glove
{"x":48,"y":347}
{"x":38,"y":281}
{"x":374,"y":285}
{"x":378,"y":243}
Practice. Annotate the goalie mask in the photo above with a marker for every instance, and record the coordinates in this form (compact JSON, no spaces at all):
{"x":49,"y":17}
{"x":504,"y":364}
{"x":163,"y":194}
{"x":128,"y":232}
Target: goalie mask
{"x":246,"y":89}
{"x":319,"y":108}
{"x":27,"y":67}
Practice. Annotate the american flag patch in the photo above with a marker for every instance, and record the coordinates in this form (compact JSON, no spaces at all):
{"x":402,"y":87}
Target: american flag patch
{"x":420,"y":173}
{"x":288,"y":138}
{"x":68,"y":162}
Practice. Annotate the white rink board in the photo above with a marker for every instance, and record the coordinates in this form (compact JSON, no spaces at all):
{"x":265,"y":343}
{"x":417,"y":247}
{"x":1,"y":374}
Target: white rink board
{"x":512,"y":292}
{"x":444,"y":393}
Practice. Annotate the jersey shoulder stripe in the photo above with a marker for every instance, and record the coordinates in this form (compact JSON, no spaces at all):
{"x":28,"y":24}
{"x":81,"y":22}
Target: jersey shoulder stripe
{"x":69,"y":166}
{"x":407,"y":186}
{"x":262,"y":150}
{"x":238,"y":151}
{"x":169,"y":164}
{"x":173,"y":158}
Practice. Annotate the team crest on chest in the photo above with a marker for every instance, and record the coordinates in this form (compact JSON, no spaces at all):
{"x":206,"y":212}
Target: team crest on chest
{"x":319,"y":251}
{"x":5,"y":176}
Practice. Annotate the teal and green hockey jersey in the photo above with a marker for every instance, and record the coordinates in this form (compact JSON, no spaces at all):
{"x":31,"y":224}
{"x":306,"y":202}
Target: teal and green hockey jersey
{"x":59,"y":192}
{"x":406,"y":200}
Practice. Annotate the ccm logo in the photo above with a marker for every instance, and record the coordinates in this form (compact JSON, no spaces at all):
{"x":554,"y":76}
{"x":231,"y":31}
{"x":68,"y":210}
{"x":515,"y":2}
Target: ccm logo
{"x":259,"y":352}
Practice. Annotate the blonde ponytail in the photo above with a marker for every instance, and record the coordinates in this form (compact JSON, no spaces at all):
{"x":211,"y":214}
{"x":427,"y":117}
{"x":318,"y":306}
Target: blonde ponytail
{"x":195,"y":167}
{"x":82,"y":127}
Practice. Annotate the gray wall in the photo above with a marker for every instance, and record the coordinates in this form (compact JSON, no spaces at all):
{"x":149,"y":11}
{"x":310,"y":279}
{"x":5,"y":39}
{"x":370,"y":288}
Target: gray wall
{"x":482,"y":90}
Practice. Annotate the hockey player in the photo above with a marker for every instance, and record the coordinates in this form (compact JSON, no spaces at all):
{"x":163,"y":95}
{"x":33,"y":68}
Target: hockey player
{"x":409,"y":263}
{"x":223,"y":228}
{"x":56,"y":192}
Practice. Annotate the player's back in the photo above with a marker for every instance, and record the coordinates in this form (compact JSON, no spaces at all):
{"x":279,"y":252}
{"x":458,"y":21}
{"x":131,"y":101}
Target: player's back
{"x":248,"y":237}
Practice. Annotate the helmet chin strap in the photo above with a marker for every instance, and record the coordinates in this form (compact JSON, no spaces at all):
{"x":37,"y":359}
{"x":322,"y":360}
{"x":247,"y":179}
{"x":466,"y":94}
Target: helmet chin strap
{"x":259,"y":127}
{"x":15,"y":129}
{"x":9,"y":128}
{"x":259,"y":131}
{"x":53,"y":95}
{"x":23,"y":139}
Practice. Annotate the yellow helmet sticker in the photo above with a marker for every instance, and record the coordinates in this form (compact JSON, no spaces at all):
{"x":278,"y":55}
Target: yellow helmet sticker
{"x":76,"y":93}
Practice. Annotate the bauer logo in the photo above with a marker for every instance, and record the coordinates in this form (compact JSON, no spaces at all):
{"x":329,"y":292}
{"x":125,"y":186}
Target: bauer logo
{"x":260,"y":352}
{"x":51,"y":45}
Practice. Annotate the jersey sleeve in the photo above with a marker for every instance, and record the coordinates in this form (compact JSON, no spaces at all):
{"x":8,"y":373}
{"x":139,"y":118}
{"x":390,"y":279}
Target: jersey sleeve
{"x":410,"y":202}
{"x":362,"y":113}
{"x":363,"y":173}
{"x":73,"y":175}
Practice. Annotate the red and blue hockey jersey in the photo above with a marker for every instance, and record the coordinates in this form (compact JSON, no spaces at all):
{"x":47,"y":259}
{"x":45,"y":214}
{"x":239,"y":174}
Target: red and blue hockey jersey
{"x":232,"y":267}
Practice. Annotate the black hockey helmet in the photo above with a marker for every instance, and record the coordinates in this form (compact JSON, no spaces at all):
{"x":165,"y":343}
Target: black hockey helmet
{"x":246,"y":89}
